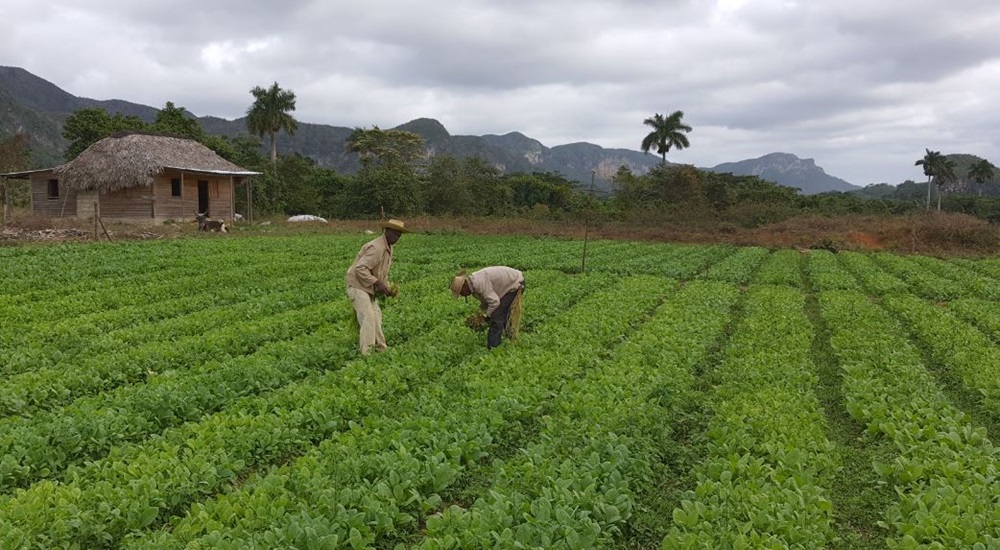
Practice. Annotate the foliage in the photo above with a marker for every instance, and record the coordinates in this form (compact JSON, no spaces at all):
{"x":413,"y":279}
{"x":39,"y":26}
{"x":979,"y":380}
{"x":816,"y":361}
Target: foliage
{"x":386,"y":147}
{"x":14,"y":156}
{"x":270,"y":113}
{"x":85,"y":127}
{"x":668,"y":132}
{"x":174,"y":121}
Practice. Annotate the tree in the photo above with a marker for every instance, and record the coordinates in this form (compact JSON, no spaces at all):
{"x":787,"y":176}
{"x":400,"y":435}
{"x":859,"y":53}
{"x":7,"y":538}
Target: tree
{"x":945,"y":175}
{"x":386,"y":147}
{"x":667,"y":132}
{"x":932,"y":165}
{"x":174,"y":121}
{"x":269,"y":114}
{"x":85,"y":127}
{"x":982,"y":172}
{"x":14,"y":156}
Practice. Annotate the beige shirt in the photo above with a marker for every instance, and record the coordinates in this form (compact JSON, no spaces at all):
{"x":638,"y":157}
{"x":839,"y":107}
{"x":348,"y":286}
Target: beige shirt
{"x":491,"y":283}
{"x":371,"y":265}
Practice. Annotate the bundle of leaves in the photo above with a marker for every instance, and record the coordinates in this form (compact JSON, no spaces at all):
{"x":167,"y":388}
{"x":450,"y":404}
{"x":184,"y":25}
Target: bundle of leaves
{"x":477,"y":321}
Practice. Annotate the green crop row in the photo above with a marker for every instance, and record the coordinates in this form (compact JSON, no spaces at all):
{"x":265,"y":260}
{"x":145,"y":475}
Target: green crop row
{"x":826,"y":273}
{"x":782,"y":267}
{"x":136,"y":486}
{"x":956,"y":345}
{"x":769,"y":470}
{"x":875,"y":279}
{"x":739,"y":267}
{"x":377,"y":479}
{"x":946,"y":471}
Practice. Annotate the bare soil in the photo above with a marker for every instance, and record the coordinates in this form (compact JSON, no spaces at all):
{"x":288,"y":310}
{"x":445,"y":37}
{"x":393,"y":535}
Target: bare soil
{"x":938,"y":234}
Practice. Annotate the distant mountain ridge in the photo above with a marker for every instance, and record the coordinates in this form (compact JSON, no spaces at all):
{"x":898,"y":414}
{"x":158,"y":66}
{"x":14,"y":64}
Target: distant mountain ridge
{"x":35,"y":105}
{"x":790,"y":170}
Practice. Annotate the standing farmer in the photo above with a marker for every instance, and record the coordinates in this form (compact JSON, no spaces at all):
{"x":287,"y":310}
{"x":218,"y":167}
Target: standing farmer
{"x":368,"y":276}
{"x":496,"y":288}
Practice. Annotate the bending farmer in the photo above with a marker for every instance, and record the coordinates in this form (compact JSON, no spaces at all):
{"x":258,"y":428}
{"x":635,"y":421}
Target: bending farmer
{"x":369,"y":276}
{"x":496,"y":288}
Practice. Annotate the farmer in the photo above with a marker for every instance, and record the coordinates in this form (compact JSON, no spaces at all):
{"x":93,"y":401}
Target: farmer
{"x":367,"y":277}
{"x":496,"y":288}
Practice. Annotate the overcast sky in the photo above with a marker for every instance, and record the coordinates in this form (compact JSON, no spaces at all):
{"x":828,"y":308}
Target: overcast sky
{"x":861,"y":86}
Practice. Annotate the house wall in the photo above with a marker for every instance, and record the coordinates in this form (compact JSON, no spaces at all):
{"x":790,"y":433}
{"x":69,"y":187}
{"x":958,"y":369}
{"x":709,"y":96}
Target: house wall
{"x":185,"y":207}
{"x":43,"y":205}
{"x":138,"y":203}
{"x":132,"y":203}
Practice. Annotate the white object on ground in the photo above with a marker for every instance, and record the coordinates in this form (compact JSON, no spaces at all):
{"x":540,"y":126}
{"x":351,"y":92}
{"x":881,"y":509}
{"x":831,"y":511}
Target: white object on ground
{"x":306,"y":218}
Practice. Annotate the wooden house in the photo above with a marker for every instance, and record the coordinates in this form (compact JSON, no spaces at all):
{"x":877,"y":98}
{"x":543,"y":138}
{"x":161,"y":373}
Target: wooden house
{"x":138,"y":176}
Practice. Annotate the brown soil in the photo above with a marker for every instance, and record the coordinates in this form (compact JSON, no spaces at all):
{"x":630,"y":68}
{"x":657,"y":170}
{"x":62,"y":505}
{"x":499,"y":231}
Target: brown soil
{"x":934,"y":234}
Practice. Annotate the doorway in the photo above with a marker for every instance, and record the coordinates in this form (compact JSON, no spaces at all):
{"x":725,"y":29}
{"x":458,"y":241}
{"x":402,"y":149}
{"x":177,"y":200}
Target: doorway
{"x":203,"y":197}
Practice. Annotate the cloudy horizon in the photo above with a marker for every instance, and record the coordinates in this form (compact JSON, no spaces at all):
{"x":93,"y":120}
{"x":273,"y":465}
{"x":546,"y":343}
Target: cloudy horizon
{"x":861,"y":87}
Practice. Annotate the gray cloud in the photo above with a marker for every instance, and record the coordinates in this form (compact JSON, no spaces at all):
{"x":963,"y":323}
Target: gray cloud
{"x":861,"y":86}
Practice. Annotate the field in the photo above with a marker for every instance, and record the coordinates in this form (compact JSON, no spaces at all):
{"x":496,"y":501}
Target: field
{"x":207,"y":393}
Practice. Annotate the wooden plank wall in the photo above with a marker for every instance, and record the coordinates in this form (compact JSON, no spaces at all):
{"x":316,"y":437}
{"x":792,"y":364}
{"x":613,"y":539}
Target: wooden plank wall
{"x":42,"y":205}
{"x":185,"y":207}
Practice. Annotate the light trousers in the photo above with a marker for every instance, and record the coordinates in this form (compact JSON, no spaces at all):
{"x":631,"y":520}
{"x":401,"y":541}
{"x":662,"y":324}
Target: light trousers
{"x":369,"y":318}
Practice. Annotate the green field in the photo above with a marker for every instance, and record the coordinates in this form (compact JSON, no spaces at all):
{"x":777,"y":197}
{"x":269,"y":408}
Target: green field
{"x":207,"y":393}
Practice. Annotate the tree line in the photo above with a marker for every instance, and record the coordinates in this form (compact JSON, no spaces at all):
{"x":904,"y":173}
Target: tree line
{"x":399,"y":178}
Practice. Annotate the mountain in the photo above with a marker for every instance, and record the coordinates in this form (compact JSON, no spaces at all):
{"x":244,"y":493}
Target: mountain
{"x":33,"y":104}
{"x":789,"y":170}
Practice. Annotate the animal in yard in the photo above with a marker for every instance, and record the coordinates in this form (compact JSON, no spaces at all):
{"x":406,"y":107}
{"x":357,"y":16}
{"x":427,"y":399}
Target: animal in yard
{"x":205,"y":224}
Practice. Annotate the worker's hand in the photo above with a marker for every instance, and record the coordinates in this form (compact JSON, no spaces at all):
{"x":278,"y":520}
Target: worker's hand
{"x":383,"y":288}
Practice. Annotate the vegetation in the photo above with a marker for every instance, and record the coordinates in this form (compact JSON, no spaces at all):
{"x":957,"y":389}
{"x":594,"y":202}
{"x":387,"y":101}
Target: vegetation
{"x":735,"y":398}
{"x":270,"y":113}
{"x":667,"y":132}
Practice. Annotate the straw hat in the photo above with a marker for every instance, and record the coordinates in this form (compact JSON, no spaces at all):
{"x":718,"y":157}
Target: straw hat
{"x":456,"y":285}
{"x":395,"y":225}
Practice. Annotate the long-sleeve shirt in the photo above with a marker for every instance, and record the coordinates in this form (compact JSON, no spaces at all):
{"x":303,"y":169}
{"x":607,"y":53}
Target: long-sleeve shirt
{"x":371,"y":265}
{"x":491,"y":283}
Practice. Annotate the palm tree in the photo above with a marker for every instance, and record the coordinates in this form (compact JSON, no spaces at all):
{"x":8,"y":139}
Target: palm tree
{"x":667,"y":132}
{"x":270,"y":113}
{"x":932,"y":165}
{"x":982,"y":172}
{"x":945,"y":175}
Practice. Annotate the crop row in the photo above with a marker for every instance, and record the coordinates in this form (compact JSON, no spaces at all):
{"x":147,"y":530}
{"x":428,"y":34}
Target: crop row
{"x":946,"y":471}
{"x":958,"y":346}
{"x":575,"y":487}
{"x":379,"y":478}
{"x":137,"y":486}
{"x":37,"y":390}
{"x":769,"y":470}
{"x":72,"y":340}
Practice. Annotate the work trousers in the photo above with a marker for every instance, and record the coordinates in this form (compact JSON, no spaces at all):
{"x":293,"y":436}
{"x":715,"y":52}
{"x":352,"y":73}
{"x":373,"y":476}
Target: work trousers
{"x":369,"y":318}
{"x":499,"y":318}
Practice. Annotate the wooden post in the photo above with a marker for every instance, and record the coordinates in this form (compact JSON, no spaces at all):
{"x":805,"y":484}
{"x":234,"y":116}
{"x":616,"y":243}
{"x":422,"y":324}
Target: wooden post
{"x":95,"y":220}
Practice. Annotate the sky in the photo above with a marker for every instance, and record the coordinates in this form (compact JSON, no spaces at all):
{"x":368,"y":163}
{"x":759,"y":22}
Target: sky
{"x":863,"y":87}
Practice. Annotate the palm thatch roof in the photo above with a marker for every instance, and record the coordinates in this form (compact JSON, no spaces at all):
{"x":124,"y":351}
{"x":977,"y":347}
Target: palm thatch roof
{"x":133,"y":159}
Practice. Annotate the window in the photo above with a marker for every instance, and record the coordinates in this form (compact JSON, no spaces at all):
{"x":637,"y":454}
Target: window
{"x":53,"y":189}
{"x":175,"y":188}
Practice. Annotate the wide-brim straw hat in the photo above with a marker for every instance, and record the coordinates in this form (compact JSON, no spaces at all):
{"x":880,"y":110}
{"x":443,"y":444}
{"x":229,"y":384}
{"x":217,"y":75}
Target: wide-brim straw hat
{"x":456,"y":285}
{"x":395,"y":225}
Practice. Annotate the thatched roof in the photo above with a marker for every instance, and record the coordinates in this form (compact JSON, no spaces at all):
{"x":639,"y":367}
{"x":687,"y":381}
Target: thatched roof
{"x":133,"y":159}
